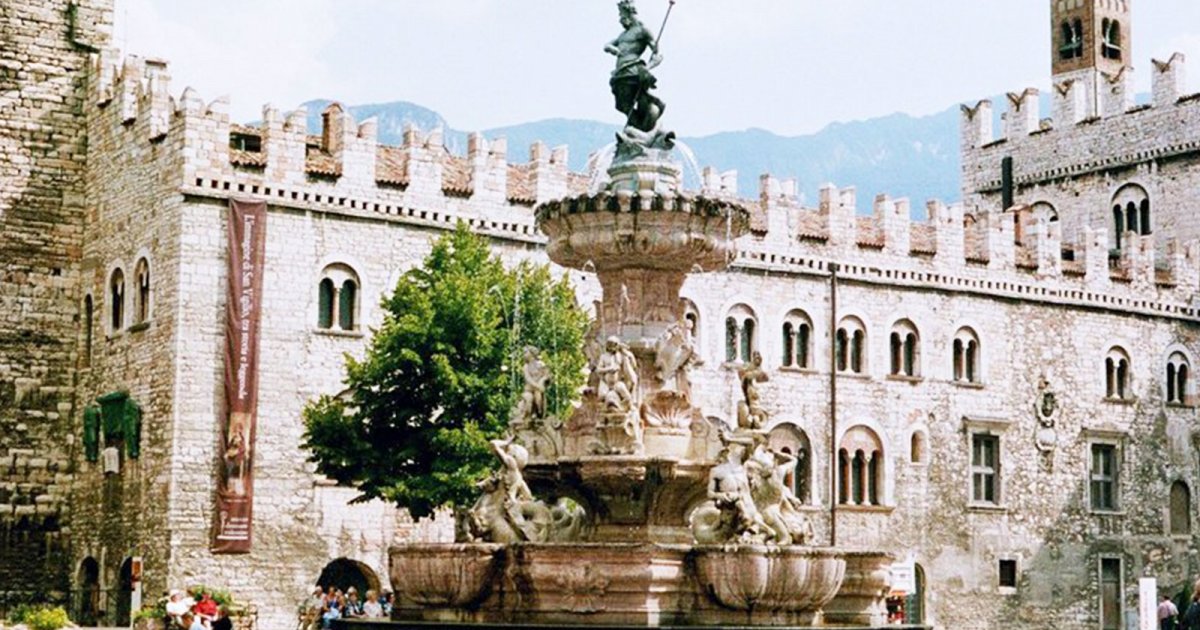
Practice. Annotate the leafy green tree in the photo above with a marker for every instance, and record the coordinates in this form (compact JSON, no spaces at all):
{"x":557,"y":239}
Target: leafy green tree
{"x":442,"y":373}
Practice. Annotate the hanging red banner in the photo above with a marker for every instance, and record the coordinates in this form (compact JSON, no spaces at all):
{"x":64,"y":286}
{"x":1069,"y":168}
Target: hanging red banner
{"x":234,"y":521}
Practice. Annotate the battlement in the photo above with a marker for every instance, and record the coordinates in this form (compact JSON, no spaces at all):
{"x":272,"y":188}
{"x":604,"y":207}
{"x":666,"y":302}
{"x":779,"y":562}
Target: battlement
{"x":1081,"y":137}
{"x":342,"y":168}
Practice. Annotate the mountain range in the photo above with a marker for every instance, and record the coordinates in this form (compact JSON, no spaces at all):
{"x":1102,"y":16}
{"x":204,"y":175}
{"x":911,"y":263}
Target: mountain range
{"x":898,"y":154}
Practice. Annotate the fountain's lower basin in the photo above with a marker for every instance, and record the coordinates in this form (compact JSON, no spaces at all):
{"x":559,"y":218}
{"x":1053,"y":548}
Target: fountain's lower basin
{"x":639,"y":585}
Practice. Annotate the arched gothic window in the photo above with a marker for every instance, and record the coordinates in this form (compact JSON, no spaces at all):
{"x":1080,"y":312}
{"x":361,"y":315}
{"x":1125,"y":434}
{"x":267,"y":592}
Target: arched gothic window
{"x":116,"y":299}
{"x":1180,"y":509}
{"x":797,"y":340}
{"x":1110,"y":47}
{"x":1116,"y":370}
{"x":966,"y":356}
{"x":141,"y":303}
{"x":740,"y":341}
{"x":905,"y":347}
{"x":1131,"y":212}
{"x":89,"y":317}
{"x":1071,"y":44}
{"x":338,"y":298}
{"x":860,"y":468}
{"x":917,"y":453}
{"x":792,"y":440}
{"x":1178,"y":375}
{"x":850,"y":346}
{"x":691,"y":319}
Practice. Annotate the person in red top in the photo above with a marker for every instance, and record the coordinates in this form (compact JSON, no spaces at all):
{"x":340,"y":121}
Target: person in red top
{"x":206,"y":609}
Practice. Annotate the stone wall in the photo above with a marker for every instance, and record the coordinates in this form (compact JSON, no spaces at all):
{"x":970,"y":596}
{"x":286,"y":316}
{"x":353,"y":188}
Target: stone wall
{"x":1078,"y":163}
{"x":44,"y":49}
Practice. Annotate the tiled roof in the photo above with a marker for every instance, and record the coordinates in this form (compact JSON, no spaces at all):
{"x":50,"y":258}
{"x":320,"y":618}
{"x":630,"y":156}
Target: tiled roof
{"x":457,"y":176}
{"x":975,"y":244}
{"x":578,"y":183}
{"x":391,"y":166}
{"x":1074,"y":268}
{"x":1025,"y":257}
{"x":238,"y":157}
{"x":758,"y":219}
{"x":520,"y":184}
{"x":922,"y":240}
{"x":318,"y":162}
{"x":812,"y":226}
{"x":869,"y":233}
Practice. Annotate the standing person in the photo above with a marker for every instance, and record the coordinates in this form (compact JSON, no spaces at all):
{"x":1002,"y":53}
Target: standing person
{"x":1167,"y":614}
{"x":1191,"y":618}
{"x":389,"y":602}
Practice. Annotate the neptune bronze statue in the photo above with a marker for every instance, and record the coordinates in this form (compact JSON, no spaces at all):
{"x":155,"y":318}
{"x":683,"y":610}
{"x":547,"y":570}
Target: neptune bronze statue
{"x":632,"y":84}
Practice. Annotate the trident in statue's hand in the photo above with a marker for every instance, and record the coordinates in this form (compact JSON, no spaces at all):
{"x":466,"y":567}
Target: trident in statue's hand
{"x":657,"y":57}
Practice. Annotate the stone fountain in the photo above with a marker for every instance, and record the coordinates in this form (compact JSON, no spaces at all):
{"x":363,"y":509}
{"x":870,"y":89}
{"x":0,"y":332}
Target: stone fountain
{"x":652,"y":515}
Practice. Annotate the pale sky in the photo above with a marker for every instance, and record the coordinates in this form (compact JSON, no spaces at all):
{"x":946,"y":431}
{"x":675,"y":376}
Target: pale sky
{"x":789,"y":66}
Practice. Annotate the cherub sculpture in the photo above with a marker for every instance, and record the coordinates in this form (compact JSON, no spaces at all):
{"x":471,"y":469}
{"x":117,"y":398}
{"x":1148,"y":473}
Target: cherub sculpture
{"x":751,"y":415}
{"x":674,"y":355}
{"x":532,"y":404}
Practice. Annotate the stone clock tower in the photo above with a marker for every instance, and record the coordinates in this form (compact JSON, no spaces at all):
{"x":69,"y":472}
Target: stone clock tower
{"x":1091,"y":45}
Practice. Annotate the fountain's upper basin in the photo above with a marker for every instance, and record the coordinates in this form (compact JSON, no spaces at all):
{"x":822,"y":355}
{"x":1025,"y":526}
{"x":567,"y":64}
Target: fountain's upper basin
{"x":645,"y":230}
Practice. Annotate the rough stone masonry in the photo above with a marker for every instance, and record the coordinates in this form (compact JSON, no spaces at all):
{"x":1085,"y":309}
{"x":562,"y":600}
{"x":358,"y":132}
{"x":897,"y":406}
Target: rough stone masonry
{"x":1010,"y":420}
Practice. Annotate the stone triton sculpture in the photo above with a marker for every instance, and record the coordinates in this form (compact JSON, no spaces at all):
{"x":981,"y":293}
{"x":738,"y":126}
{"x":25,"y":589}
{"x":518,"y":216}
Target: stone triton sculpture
{"x":661,"y":516}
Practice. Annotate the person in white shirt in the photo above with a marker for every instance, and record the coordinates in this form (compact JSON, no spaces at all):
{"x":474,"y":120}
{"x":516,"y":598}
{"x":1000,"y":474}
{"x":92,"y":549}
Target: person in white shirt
{"x":177,"y":605}
{"x":372,"y":607}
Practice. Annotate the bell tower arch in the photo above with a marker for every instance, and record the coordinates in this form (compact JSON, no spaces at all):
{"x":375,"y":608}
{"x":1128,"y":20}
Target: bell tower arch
{"x":1090,"y":41}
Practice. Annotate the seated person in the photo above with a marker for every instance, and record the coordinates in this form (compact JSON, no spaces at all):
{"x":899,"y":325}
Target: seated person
{"x":190,"y":622}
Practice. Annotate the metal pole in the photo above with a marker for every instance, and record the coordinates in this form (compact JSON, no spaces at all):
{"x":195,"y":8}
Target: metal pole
{"x":833,"y":372}
{"x":664,"y":24}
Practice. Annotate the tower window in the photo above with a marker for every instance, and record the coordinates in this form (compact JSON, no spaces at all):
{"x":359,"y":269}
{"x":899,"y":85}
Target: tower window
{"x":1071,"y":44}
{"x":905,"y":350}
{"x":1178,"y":371}
{"x":1116,"y":375}
{"x":1131,"y":212}
{"x":1110,"y":46}
{"x":1008,"y":574}
{"x":851,"y":346}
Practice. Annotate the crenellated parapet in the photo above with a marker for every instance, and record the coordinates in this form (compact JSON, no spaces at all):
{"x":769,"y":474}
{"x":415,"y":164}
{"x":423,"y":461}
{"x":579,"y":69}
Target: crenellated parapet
{"x":342,"y":169}
{"x":1082,"y":137}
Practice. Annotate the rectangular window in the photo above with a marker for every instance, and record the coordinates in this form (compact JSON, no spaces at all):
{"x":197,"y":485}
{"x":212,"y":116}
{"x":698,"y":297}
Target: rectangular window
{"x":1110,"y":593}
{"x":1008,"y":574}
{"x":985,"y":468}
{"x":1104,"y":475}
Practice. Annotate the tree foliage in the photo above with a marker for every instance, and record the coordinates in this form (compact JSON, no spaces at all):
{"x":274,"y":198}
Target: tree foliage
{"x":442,"y":373}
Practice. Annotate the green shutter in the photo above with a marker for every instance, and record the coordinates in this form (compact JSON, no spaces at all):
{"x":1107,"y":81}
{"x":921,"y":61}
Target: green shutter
{"x":346,"y":305}
{"x":325,"y":305}
{"x":112,"y":411}
{"x":91,"y":433}
{"x":133,"y":428}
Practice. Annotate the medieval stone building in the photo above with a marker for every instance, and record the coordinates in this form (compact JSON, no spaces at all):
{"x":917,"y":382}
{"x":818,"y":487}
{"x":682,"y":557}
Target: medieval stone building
{"x":1002,"y":394}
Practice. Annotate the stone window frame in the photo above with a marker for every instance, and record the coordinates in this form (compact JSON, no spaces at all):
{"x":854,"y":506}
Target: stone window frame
{"x":689,"y":311}
{"x":797,"y":335}
{"x":336,"y":275}
{"x":918,"y":447}
{"x":88,"y":325}
{"x":116,"y":306}
{"x":141,"y":298}
{"x":1071,"y":45}
{"x":850,"y":343}
{"x":904,"y":346}
{"x":790,"y":437}
{"x":1108,"y":437}
{"x":1118,"y":375}
{"x":966,"y":364}
{"x":995,"y":428}
{"x":870,"y":470}
{"x":1132,"y":210}
{"x":741,"y":334}
{"x":1120,"y":596}
{"x":1169,"y":512}
{"x":1178,"y":378}
{"x":1110,"y":39}
{"x":1016,"y":574}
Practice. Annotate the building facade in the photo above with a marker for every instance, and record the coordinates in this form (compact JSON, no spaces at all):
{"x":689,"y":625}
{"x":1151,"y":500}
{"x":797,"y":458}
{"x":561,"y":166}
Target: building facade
{"x":1001,"y":394}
